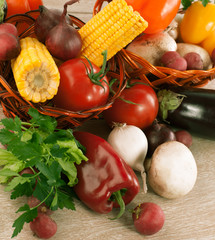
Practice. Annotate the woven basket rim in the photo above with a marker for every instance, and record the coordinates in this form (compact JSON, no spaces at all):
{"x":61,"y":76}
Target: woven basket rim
{"x":141,"y":67}
{"x":15,"y":105}
{"x":155,"y":76}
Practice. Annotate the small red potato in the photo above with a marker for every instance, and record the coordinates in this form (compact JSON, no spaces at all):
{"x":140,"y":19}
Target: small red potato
{"x":148,"y":218}
{"x":184,"y":137}
{"x":184,"y":48}
{"x":172,"y":59}
{"x":10,"y":46}
{"x":194,"y":61}
{"x":43,"y":226}
{"x":169,"y":56}
{"x":8,"y":28}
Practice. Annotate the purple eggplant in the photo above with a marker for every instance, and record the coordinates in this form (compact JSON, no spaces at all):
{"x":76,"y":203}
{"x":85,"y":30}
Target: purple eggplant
{"x":196,"y":113}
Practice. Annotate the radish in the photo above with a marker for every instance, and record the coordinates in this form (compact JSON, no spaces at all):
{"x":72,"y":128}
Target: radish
{"x":148,"y":218}
{"x":184,"y":137}
{"x":43,"y":226}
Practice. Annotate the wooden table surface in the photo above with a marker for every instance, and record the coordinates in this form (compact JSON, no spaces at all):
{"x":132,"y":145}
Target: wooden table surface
{"x":189,"y":218}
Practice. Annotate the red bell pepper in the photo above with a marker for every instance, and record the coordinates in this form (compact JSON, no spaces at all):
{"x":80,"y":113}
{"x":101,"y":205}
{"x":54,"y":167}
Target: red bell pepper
{"x":105,"y":180}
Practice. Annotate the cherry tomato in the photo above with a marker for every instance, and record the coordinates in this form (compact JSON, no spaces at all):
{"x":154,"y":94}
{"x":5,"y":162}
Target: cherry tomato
{"x":76,"y":91}
{"x":158,"y":14}
{"x":141,"y":111}
{"x":21,"y":6}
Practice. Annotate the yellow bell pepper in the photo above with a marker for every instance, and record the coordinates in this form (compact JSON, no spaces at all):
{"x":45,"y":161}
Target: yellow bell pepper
{"x":198,"y":25}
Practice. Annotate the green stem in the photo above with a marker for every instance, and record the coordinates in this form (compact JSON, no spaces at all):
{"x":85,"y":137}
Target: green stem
{"x":43,"y":199}
{"x":118,"y":197}
{"x":97,"y":77}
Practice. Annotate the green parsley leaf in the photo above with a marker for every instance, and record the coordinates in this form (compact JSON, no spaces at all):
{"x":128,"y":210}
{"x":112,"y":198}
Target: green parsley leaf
{"x":6,"y":136}
{"x":12,"y":124}
{"x":43,"y":191}
{"x":52,"y":173}
{"x":44,"y":122}
{"x":26,"y":217}
{"x":25,"y":189}
{"x":65,"y":201}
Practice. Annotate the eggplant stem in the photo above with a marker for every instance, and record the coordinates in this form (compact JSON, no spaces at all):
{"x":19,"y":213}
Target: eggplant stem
{"x":118,"y":198}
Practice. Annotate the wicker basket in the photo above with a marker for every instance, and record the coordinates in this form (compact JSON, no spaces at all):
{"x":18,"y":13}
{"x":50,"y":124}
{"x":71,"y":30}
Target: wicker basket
{"x":136,"y":67}
{"x":157,"y":76}
{"x":15,"y":105}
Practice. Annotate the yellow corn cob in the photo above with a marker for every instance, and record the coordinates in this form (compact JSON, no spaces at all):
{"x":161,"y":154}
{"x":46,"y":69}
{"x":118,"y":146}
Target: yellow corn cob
{"x":35,"y":72}
{"x":111,"y":29}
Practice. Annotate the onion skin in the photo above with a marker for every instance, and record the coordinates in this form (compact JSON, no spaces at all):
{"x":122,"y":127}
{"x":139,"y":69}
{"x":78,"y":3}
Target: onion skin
{"x":64,"y":41}
{"x":46,"y":21}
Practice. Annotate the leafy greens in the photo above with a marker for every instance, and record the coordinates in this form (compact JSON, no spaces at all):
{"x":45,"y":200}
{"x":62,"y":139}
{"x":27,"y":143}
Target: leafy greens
{"x":51,"y":155}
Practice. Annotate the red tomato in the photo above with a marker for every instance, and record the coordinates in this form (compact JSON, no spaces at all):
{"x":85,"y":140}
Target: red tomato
{"x":140,"y":114}
{"x":22,"y":6}
{"x":34,"y":4}
{"x":158,"y":13}
{"x":76,"y":91}
{"x":17,"y":6}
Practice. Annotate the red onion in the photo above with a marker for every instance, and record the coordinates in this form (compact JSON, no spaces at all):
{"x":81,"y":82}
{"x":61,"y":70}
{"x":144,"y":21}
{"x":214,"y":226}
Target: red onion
{"x":64,"y":41}
{"x":47,"y":19}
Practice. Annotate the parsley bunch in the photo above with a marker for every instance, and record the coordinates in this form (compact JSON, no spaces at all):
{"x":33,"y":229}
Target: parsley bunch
{"x":49,"y":152}
{"x":187,"y":3}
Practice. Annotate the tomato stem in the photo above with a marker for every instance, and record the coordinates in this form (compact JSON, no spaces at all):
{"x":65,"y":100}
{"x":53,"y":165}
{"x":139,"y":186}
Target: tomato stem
{"x":129,"y":84}
{"x":97,"y":77}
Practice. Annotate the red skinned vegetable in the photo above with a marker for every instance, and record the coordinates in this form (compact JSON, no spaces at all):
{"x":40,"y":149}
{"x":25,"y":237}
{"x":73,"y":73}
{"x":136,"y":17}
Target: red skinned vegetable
{"x":137,"y":105}
{"x":158,"y":14}
{"x":83,"y":85}
{"x":148,"y":218}
{"x":103,"y":176}
{"x":34,"y":4}
{"x":22,"y":6}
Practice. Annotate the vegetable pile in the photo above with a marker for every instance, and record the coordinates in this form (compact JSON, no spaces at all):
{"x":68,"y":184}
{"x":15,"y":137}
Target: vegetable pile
{"x":150,"y":130}
{"x":186,"y":44}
